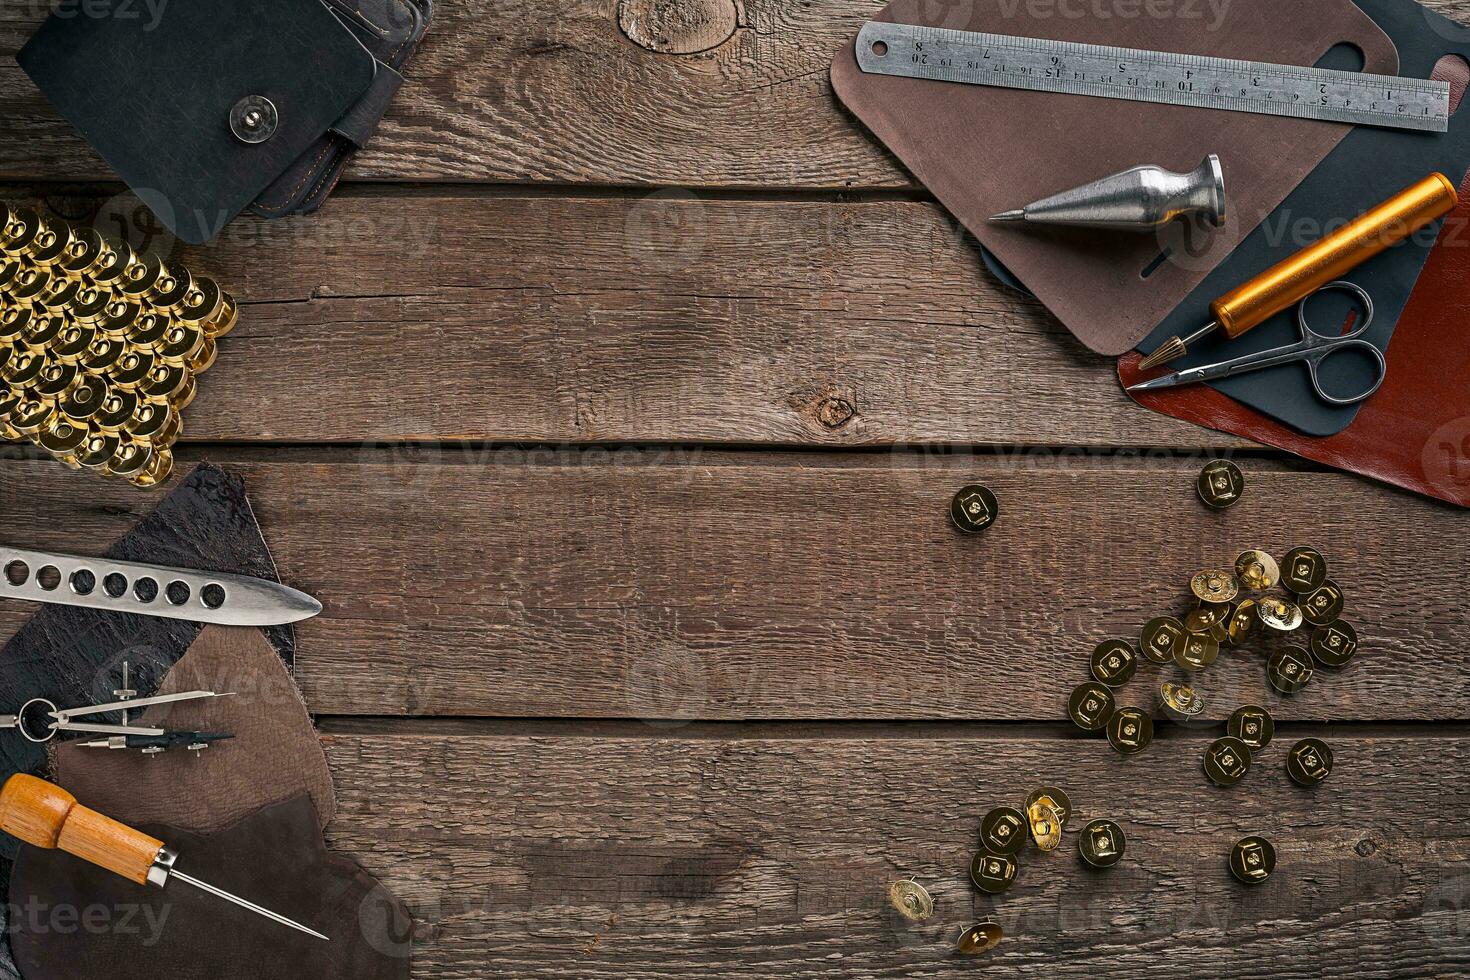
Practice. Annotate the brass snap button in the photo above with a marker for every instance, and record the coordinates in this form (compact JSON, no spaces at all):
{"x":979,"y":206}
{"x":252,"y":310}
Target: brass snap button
{"x":1197,"y":652}
{"x":1054,"y":798}
{"x":1209,"y":619}
{"x":1046,"y":826}
{"x":1214,"y":585}
{"x":973,"y":509}
{"x":1309,"y":762}
{"x":1090,"y":707}
{"x":1252,"y":859}
{"x":1102,"y":843}
{"x":1114,"y":663}
{"x":1227,"y":760}
{"x":1323,"y":604}
{"x":1279,"y":614}
{"x":1334,"y":645}
{"x":1130,"y":731}
{"x":1182,"y":703}
{"x":982,"y":937}
{"x":993,"y":873}
{"x":911,"y":899}
{"x":1242,"y":622}
{"x":1160,"y":637}
{"x":1220,"y":483}
{"x":1253,"y":725}
{"x":1003,"y":830}
{"x":1257,"y":570}
{"x":1303,"y":570}
{"x":1289,"y":670}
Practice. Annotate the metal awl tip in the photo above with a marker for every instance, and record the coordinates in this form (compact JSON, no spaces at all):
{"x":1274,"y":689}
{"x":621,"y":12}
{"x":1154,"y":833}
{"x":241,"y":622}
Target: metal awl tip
{"x":1019,"y":214}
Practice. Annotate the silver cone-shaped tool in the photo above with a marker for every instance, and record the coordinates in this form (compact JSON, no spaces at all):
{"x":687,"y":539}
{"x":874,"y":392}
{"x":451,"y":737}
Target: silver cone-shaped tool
{"x":1134,"y":200}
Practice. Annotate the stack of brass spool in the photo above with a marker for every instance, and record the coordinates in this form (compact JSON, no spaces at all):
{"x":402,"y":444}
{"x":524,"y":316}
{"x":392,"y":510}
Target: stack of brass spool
{"x":100,"y":347}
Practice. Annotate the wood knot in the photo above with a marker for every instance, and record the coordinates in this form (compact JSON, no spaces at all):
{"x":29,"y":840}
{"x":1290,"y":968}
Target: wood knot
{"x":1366,"y":847}
{"x":678,"y":26}
{"x":834,"y":413}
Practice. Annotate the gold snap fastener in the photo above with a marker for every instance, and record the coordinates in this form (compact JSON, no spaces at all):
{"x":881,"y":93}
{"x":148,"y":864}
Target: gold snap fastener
{"x":1309,"y":762}
{"x":1257,"y":570}
{"x":1252,"y":859}
{"x":1003,"y":830}
{"x":1114,"y":663}
{"x":1214,"y":585}
{"x":1303,"y":570}
{"x":1197,"y":653}
{"x":1253,"y":725}
{"x":1322,"y":605}
{"x":1130,"y":731}
{"x":1278,"y":614}
{"x":1220,"y":483}
{"x":1333,"y":645}
{"x":911,"y":899}
{"x":982,"y":937}
{"x":1244,"y":616}
{"x":1102,"y":843}
{"x":973,"y":508}
{"x":1054,"y":798}
{"x":1091,"y":706}
{"x":1045,"y":825}
{"x":1160,"y":638}
{"x":993,"y":873}
{"x":1289,"y":670}
{"x":1227,"y":760}
{"x":1181,"y":702}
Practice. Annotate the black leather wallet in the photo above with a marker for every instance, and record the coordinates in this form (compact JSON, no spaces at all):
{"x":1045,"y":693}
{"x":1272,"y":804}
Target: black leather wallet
{"x":208,"y":107}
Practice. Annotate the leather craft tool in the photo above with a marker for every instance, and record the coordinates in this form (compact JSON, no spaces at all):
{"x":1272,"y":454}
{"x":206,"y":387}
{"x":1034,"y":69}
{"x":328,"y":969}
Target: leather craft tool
{"x":1313,"y":350}
{"x":57,"y":720}
{"x":150,"y":590}
{"x":47,"y":816}
{"x":147,"y":739}
{"x":982,"y":149}
{"x":1044,"y":65}
{"x":1138,"y":199}
{"x":1294,"y":279}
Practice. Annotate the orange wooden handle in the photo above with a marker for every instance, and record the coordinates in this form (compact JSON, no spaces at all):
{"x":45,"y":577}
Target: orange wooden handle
{"x":47,"y":816}
{"x":1293,"y":280}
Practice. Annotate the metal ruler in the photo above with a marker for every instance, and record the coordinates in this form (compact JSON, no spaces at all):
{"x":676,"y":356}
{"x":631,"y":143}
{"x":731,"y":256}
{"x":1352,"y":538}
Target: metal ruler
{"x":1041,"y":65}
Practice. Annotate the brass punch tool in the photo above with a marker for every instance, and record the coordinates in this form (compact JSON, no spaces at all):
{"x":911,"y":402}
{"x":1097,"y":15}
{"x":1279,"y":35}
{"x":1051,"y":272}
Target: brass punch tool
{"x":1325,"y":261}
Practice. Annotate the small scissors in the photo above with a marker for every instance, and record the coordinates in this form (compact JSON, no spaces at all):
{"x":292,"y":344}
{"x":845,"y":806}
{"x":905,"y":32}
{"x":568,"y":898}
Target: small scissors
{"x":1313,"y":349}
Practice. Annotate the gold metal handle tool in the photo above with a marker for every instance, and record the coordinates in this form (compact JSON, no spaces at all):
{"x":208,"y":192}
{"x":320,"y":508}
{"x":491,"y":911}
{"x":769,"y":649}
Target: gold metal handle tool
{"x":45,"y":815}
{"x":1294,"y":279}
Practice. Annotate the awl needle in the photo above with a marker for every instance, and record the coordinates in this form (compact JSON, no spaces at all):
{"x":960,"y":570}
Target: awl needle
{"x":47,"y":816}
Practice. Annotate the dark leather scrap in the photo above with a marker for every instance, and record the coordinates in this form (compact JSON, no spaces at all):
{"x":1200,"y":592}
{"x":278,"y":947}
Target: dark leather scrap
{"x":74,"y":921}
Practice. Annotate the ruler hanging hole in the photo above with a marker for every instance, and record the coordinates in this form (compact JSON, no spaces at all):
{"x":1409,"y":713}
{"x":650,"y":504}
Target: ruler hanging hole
{"x":880,"y":48}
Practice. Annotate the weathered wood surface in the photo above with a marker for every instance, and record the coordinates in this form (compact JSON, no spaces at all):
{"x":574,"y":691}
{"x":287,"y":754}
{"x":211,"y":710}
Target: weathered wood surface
{"x":689,"y":93}
{"x":664,"y":857}
{"x":689,"y":584}
{"x":657,"y":319}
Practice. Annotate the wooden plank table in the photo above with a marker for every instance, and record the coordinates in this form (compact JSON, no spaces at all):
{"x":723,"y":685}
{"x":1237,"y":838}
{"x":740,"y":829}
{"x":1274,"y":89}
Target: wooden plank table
{"x":613,"y":407}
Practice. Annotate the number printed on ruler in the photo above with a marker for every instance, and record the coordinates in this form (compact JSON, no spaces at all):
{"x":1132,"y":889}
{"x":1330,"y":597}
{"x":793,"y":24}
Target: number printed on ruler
{"x":1153,"y":76}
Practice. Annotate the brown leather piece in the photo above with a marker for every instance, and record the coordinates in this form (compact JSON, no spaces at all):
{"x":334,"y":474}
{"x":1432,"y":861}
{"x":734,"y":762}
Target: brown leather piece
{"x":983,"y":150}
{"x":274,"y":756}
{"x":74,"y":921}
{"x":1415,"y":432}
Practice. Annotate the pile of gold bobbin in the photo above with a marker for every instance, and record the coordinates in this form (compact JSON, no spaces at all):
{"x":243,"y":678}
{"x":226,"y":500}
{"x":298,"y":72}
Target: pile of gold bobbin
{"x":99,"y":346}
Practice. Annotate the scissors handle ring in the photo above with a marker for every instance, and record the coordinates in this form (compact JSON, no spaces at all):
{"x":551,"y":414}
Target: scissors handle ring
{"x":1348,"y":287}
{"x":1321,"y":346}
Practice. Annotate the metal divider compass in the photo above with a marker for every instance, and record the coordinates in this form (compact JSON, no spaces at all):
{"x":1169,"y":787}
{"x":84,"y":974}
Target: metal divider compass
{"x":39,"y":720}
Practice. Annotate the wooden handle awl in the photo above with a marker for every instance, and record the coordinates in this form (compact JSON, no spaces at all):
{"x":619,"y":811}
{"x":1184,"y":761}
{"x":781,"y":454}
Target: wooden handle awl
{"x":47,"y":816}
